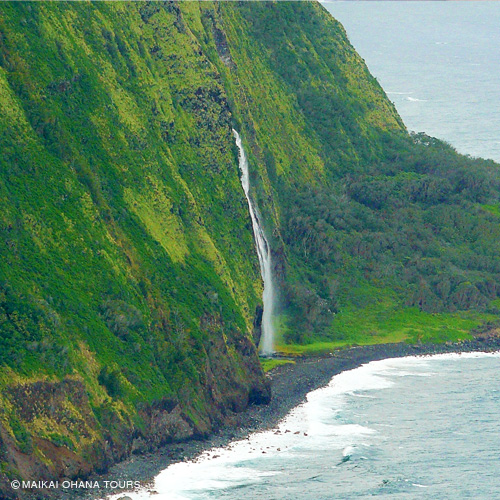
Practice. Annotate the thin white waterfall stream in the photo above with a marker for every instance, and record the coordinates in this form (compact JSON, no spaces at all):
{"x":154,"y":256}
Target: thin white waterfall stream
{"x":266,"y":345}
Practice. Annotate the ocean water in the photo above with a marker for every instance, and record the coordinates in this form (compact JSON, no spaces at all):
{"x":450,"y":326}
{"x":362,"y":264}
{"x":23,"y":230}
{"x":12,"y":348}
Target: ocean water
{"x":438,"y":62}
{"x":400,"y":429}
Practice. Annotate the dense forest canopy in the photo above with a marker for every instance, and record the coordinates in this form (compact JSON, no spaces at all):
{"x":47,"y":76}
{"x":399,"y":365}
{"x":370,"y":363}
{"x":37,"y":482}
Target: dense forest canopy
{"x":420,"y":225}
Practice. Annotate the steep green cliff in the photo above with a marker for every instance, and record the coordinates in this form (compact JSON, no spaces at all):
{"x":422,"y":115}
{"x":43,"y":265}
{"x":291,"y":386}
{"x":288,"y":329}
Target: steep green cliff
{"x":130,"y":292}
{"x":378,"y":235}
{"x":129,"y":283}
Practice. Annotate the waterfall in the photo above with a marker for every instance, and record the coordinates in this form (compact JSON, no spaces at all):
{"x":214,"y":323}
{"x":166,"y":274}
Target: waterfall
{"x":266,"y":346}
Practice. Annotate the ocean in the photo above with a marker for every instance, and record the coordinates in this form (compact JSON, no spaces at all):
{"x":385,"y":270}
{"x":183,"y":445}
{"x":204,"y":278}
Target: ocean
{"x":404,"y":428}
{"x":438,"y":62}
{"x":407,"y":428}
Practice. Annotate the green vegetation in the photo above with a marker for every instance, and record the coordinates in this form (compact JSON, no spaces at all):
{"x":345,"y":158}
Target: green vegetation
{"x":270,"y":364}
{"x":364,"y":216}
{"x":380,"y":326}
{"x":124,"y":235}
{"x":493,"y":209}
{"x":128,"y":281}
{"x":378,"y":246}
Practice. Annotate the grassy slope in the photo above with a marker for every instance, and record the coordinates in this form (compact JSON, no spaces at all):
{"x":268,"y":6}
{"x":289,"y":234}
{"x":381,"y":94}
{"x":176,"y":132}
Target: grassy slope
{"x":124,"y":231}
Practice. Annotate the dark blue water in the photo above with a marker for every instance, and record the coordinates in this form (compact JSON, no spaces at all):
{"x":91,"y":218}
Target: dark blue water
{"x":438,"y":62}
{"x":395,"y":429}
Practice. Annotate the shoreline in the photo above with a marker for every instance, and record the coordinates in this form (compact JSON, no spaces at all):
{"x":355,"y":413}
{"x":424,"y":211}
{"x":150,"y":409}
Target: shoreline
{"x":290,"y":385}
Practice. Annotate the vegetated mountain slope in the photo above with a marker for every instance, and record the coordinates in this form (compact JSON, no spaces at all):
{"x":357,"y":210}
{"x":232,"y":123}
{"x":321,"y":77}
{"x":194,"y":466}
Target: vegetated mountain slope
{"x":129,"y":284}
{"x":379,"y":235}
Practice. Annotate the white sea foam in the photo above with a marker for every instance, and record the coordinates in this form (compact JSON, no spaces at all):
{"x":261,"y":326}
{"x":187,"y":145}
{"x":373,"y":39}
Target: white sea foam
{"x":358,"y":395}
{"x":309,"y":427}
{"x":348,"y":451}
{"x":414,"y":99}
{"x":459,"y":355}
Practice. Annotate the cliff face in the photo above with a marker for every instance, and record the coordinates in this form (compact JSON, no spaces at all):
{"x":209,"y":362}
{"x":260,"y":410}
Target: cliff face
{"x":130,"y":292}
{"x":377,"y":234}
{"x":129,"y":283}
